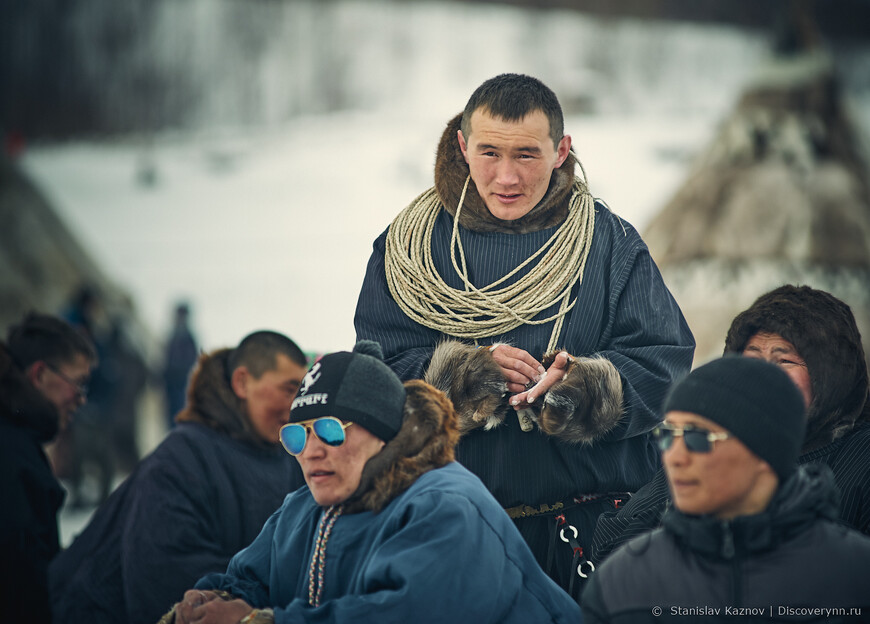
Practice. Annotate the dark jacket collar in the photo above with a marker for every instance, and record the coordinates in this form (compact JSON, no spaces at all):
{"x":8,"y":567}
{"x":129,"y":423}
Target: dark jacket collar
{"x":212,"y":402}
{"x":451,"y":170}
{"x":809,"y":494}
{"x":21,"y":404}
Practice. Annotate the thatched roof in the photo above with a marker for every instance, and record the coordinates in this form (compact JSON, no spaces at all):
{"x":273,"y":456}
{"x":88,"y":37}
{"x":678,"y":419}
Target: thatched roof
{"x":783,"y":179}
{"x":780,"y":196}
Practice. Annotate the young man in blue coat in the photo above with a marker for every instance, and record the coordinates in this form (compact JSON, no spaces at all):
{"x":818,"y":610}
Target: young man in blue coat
{"x":389,"y":529}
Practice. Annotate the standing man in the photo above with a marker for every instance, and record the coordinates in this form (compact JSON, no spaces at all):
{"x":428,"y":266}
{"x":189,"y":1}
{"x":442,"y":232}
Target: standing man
{"x":509,"y":251}
{"x":44,"y":369}
{"x":200,"y":497}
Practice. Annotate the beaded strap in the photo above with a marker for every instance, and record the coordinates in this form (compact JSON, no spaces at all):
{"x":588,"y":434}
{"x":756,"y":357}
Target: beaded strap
{"x":318,"y":559}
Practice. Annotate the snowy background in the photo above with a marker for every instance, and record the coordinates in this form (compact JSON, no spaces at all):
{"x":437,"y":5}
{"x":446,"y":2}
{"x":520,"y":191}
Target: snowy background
{"x":319,"y":122}
{"x":269,"y":223}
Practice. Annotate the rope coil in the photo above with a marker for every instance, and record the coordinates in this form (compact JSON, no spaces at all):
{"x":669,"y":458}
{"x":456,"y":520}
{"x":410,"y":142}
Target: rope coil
{"x":492,"y":310}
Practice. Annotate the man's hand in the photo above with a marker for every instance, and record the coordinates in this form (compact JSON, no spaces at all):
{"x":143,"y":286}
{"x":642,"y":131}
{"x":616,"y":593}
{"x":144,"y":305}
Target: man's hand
{"x":554,"y":375}
{"x":518,"y":367}
{"x":205,"y":607}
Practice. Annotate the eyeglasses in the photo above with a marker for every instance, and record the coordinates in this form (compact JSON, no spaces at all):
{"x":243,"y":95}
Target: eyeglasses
{"x":80,"y":388}
{"x":327,"y":429}
{"x":696,"y":440}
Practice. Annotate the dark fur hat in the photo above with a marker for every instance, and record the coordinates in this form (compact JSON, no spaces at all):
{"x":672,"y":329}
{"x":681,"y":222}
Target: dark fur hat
{"x":823,"y":330}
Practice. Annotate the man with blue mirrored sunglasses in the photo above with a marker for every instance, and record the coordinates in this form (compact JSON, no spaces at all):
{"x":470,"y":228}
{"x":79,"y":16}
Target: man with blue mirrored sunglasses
{"x":327,"y":429}
{"x":389,"y":527}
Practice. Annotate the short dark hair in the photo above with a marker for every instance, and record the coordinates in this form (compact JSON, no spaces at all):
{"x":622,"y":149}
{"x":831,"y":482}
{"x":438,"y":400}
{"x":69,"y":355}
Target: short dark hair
{"x":513,"y":96}
{"x":257,"y":352}
{"x":42,"y":337}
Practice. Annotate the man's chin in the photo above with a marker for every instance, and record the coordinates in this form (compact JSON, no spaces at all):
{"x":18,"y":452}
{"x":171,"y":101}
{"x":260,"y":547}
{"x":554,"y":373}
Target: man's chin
{"x":509,"y":212}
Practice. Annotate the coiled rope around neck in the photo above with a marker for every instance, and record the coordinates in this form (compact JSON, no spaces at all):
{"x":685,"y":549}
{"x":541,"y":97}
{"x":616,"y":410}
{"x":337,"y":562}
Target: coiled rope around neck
{"x":491,"y":310}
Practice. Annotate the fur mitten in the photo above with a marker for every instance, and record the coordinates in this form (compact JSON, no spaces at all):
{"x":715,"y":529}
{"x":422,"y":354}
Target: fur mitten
{"x":472,"y":380}
{"x":585,"y":404}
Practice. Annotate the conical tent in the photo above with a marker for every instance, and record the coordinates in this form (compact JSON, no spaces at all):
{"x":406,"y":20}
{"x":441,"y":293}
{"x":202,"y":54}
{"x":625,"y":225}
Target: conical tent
{"x":780,"y":196}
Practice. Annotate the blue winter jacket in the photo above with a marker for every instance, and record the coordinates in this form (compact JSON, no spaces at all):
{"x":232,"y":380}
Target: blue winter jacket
{"x":442,"y":551}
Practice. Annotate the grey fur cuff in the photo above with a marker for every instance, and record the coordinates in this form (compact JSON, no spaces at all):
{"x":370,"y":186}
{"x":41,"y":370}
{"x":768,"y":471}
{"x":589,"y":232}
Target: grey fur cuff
{"x":586,"y":404}
{"x":472,"y":380}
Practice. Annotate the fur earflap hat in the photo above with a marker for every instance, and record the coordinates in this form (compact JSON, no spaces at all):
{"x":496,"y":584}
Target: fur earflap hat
{"x":353,"y":386}
{"x":755,"y":401}
{"x":823,"y":330}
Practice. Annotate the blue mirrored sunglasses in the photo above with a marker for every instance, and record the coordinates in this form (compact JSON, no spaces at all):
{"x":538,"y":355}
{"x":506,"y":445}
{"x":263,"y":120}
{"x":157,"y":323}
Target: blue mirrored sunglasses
{"x":696,"y":440}
{"x":327,"y":429}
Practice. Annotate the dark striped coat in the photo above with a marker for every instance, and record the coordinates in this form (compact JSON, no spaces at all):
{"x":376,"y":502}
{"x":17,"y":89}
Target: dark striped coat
{"x":624,"y":313}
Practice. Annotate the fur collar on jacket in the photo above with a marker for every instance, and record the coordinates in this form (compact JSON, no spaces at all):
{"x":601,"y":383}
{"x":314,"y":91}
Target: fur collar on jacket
{"x":426,"y":441}
{"x":451,"y":171}
{"x":21,"y":404}
{"x":212,"y":402}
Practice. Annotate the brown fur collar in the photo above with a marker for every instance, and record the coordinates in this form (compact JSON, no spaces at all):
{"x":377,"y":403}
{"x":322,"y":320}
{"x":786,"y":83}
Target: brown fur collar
{"x":23,"y":405}
{"x":451,"y":170}
{"x":212,"y":402}
{"x":426,"y":441}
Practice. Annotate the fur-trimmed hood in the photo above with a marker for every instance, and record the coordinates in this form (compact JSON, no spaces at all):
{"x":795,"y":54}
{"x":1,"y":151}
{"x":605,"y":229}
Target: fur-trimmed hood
{"x":451,"y":171}
{"x":21,"y":404}
{"x":212,"y":402}
{"x":823,"y":330}
{"x":426,"y":441}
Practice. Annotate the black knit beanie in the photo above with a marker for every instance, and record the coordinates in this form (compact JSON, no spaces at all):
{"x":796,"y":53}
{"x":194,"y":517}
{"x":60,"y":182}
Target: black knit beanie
{"x":353,"y":386}
{"x":754,"y":400}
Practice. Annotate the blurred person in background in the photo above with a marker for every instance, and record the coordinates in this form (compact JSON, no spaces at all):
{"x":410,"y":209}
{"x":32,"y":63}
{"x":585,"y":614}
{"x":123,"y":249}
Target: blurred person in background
{"x":509,"y":251}
{"x":389,"y":527}
{"x":200,"y":497}
{"x":814,"y":338}
{"x":180,"y":358}
{"x":44,"y":370}
{"x":750,"y":529}
{"x":83,"y":311}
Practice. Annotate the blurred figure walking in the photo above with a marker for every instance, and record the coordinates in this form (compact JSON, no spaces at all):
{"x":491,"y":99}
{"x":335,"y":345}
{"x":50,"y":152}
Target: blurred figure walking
{"x":181,"y":353}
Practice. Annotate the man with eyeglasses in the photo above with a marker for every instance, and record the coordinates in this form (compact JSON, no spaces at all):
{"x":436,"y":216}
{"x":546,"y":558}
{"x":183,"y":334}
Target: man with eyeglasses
{"x":44,"y":368}
{"x":751,"y":534}
{"x":389,"y":527}
{"x":813,"y":337}
{"x":201,"y":496}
